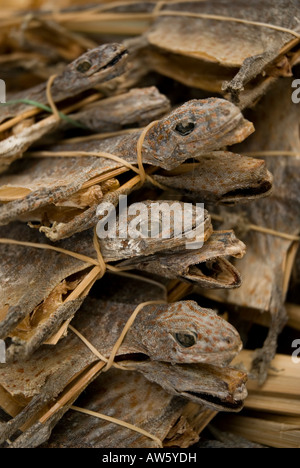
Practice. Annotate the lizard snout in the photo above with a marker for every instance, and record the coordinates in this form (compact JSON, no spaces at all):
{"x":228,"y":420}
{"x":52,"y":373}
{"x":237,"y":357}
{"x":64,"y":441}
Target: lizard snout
{"x":230,"y":340}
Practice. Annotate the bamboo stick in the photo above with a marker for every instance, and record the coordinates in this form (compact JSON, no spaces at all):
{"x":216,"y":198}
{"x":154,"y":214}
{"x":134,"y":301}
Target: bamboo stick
{"x":75,"y":389}
{"x":259,"y":402}
{"x":280,"y":433}
{"x":280,"y":393}
{"x":32,"y":112}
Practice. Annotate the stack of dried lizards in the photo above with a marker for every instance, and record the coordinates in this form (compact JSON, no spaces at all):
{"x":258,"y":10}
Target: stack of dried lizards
{"x":118,"y":341}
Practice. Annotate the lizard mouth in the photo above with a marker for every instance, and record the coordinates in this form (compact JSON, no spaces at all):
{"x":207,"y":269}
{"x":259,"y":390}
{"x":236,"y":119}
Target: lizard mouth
{"x":262,"y":189}
{"x":227,"y":403}
{"x":118,"y":58}
{"x":134,"y":357}
{"x":217,"y":272}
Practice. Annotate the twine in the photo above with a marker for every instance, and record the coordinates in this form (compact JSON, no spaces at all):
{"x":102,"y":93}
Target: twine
{"x":278,"y":153}
{"x":101,"y":267}
{"x":254,"y":227}
{"x":50,"y":97}
{"x":141,"y":170}
{"x":157,"y":13}
{"x":99,"y":263}
{"x":119,"y":423}
{"x":102,"y":154}
{"x":110,"y":362}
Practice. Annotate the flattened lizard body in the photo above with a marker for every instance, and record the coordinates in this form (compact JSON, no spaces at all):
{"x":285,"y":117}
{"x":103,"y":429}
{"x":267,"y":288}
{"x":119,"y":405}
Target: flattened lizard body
{"x":95,"y":66}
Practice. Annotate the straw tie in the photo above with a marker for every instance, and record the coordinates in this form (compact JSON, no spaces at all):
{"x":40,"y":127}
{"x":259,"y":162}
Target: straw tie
{"x":100,"y":268}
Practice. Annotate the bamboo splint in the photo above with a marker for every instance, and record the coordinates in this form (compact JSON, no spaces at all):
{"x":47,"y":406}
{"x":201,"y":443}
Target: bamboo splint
{"x":280,"y":392}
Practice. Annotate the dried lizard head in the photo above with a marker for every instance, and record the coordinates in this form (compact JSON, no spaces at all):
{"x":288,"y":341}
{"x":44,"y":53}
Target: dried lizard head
{"x":183,"y":332}
{"x":236,"y":178}
{"x":195,"y":128}
{"x":94,"y":67}
{"x":97,"y":65}
{"x":150,"y":227}
{"x":219,"y":388}
{"x":207,"y":267}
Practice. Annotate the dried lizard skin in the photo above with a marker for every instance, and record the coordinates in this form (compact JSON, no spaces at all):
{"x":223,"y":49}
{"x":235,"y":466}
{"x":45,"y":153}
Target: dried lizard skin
{"x":205,"y":268}
{"x":117,"y":393}
{"x":124,"y":245}
{"x":191,"y":130}
{"x":245,"y":50}
{"x":150,"y":408}
{"x":220,"y":389}
{"x":221,"y":178}
{"x":125,"y":293}
{"x":264,"y":272}
{"x":47,"y":182}
{"x":95,"y":66}
{"x":137,"y":107}
{"x":47,"y":373}
{"x":29,"y":320}
{"x":42,"y":272}
{"x":159,"y":332}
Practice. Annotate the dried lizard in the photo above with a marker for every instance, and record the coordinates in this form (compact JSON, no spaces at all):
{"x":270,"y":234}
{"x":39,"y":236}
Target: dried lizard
{"x":95,"y":66}
{"x":236,"y":179}
{"x":29,"y":320}
{"x":196,"y":128}
{"x":148,"y":407}
{"x":137,"y":107}
{"x":206,"y":268}
{"x":220,"y":56}
{"x":176,"y":333}
{"x":277,"y":136}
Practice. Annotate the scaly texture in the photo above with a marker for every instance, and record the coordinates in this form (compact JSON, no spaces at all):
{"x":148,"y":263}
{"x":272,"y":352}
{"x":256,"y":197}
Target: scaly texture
{"x":248,"y":50}
{"x":48,"y":373}
{"x":95,"y":66}
{"x":137,"y":107}
{"x":206,"y":268}
{"x":150,"y":409}
{"x":46,"y":270}
{"x":193,"y":129}
{"x":116,"y":394}
{"x":277,"y":129}
{"x":221,"y":178}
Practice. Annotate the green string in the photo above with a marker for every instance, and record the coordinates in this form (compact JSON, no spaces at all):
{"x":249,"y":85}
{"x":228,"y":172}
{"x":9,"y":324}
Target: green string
{"x":45,"y":108}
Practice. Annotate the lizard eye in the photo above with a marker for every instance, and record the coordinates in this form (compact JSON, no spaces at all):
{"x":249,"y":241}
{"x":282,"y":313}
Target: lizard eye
{"x":186,"y":340}
{"x":185,"y":128}
{"x":83,"y":67}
